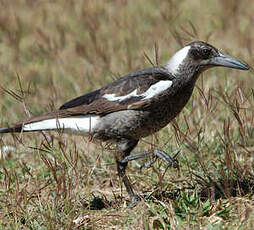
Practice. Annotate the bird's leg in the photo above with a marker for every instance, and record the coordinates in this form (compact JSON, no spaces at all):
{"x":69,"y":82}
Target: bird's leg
{"x":148,"y":163}
{"x":172,"y":161}
{"x":136,"y":156}
{"x":125,"y":146}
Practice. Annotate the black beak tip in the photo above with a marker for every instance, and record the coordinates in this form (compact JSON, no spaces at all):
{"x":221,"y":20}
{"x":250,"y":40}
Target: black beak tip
{"x":240,"y":65}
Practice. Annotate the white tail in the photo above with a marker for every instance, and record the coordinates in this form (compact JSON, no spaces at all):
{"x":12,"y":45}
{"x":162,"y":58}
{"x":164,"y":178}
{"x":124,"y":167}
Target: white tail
{"x":83,"y":124}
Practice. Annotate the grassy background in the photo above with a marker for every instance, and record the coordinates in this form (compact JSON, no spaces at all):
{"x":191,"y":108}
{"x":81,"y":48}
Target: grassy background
{"x":52,"y":51}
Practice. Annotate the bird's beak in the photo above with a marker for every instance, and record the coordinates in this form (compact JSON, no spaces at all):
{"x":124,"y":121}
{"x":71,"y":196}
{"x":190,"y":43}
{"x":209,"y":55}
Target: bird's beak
{"x":227,"y":61}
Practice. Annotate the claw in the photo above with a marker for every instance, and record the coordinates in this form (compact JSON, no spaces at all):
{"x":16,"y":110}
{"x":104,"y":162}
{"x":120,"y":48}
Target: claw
{"x":176,"y":162}
{"x":134,"y":201}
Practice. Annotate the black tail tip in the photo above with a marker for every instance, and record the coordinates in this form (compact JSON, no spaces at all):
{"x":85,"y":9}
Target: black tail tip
{"x":15,"y":129}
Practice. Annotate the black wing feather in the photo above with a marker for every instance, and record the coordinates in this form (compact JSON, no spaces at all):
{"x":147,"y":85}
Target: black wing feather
{"x":136,"y":80}
{"x":82,"y":100}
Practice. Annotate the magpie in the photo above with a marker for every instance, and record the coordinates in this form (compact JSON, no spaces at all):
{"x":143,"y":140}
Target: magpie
{"x":134,"y":106}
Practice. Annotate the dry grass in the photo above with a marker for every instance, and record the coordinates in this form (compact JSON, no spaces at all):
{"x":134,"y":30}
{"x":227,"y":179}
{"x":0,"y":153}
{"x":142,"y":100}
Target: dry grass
{"x":51,"y":51}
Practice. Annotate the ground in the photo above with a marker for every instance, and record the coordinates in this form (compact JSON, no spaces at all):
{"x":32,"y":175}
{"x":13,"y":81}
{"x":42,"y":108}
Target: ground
{"x":52,"y":51}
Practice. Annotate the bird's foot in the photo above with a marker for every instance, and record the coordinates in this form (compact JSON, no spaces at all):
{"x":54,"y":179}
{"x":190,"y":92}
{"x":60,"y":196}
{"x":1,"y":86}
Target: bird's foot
{"x":134,"y":199}
{"x":171,"y":161}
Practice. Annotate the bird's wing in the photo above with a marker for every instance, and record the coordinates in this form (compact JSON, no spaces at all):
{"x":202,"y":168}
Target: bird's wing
{"x":140,"y":80}
{"x":134,"y":91}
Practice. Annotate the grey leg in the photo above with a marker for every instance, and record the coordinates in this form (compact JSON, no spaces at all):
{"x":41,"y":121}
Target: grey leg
{"x":172,"y":161}
{"x":148,"y":163}
{"x":125,"y":146}
{"x":136,"y":156}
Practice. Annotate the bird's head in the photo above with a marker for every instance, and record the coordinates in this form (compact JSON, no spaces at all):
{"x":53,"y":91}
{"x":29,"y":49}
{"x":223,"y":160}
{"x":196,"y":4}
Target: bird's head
{"x":198,"y":56}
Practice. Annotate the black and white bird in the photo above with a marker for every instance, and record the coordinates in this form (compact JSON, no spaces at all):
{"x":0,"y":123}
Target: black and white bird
{"x":135,"y":105}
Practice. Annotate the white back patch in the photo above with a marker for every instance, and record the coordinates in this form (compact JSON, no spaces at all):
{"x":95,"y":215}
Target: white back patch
{"x":153,"y":90}
{"x":83,"y":124}
{"x":178,"y":58}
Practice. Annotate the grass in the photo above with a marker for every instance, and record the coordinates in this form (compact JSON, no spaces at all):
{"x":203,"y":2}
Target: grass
{"x":51,"y":51}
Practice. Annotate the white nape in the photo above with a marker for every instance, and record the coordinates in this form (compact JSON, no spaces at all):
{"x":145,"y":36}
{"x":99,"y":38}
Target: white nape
{"x":175,"y":62}
{"x":153,"y":90}
{"x":80,"y":124}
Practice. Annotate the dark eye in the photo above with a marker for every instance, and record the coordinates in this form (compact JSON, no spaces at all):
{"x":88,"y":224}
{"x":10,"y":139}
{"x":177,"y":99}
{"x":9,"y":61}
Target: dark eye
{"x":206,"y":52}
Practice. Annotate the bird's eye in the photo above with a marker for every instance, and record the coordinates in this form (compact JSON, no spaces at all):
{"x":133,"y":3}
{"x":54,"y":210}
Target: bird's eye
{"x":206,"y":52}
{"x":201,"y":53}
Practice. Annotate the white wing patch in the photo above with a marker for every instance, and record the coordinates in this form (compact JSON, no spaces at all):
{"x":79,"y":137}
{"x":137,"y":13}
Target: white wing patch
{"x":112,"y":97}
{"x":153,"y":90}
{"x":81,"y":124}
{"x":157,"y":88}
{"x":175,"y":62}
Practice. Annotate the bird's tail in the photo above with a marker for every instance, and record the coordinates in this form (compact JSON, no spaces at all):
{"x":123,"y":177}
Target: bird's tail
{"x":84,"y":124}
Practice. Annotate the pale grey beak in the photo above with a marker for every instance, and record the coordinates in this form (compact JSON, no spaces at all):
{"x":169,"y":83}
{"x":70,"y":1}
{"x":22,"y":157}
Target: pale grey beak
{"x":227,"y":61}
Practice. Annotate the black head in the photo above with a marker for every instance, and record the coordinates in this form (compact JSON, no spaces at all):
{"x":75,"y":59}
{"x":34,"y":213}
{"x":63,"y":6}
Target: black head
{"x":200,"y":56}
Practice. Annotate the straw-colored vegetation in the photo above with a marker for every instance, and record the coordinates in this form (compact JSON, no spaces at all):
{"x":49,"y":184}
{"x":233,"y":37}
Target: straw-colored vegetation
{"x":52,"y":51}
